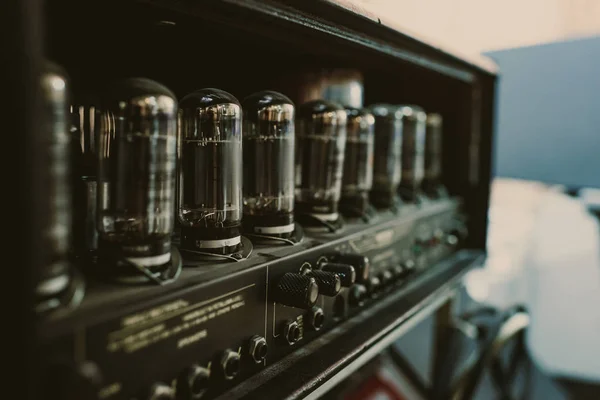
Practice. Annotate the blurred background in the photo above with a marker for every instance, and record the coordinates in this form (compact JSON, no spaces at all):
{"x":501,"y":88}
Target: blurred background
{"x":544,"y":241}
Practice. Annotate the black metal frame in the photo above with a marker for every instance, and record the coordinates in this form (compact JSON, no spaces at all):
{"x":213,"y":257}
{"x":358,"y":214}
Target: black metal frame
{"x":339,"y":35}
{"x":21,"y":23}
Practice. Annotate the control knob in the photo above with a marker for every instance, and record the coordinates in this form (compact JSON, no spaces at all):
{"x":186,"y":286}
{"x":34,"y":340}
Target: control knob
{"x":360,"y":263}
{"x":295,"y":290}
{"x":409,"y":266}
{"x":373,"y":284}
{"x":451,"y":240}
{"x":345,"y":272}
{"x":328,"y":282}
{"x":385,"y":277}
{"x":357,"y":295}
{"x":398,"y":271}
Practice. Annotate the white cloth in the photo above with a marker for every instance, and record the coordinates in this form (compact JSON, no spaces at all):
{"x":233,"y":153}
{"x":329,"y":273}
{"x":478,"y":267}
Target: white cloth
{"x":562,"y":271}
{"x":544,"y":252}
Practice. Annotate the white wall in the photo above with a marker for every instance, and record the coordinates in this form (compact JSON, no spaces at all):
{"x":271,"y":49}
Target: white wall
{"x":475,"y":26}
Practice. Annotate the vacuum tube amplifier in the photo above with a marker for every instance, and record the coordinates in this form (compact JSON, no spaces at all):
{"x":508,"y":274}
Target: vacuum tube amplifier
{"x":136,"y":180}
{"x":413,"y":152}
{"x":268,"y":147}
{"x":432,"y":184}
{"x":210,"y":175}
{"x":357,"y":180}
{"x":55,"y":278}
{"x":387,"y":166}
{"x":320,"y":147}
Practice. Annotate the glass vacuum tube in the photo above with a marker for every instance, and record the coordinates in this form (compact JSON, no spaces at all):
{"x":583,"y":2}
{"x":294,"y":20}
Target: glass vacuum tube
{"x":387,"y":165}
{"x":433,"y":153}
{"x":413,"y":151}
{"x":85,"y":127}
{"x":358,"y":162}
{"x":136,"y":180}
{"x":54,"y":278}
{"x":268,"y":143}
{"x":320,"y":146}
{"x":210,"y":176}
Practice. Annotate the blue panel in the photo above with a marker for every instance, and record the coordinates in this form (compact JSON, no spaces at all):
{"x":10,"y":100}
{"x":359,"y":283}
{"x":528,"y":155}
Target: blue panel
{"x":548,"y":125}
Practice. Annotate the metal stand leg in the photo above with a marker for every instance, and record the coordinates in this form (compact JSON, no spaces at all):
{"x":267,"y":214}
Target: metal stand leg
{"x":407,"y":371}
{"x":441,"y":344}
{"x":444,"y":347}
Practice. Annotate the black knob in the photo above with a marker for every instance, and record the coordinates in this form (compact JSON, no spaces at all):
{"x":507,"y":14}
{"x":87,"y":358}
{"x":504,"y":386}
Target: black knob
{"x":385,"y":277}
{"x":192,"y":383}
{"x":356,"y":295}
{"x":329,"y":283}
{"x":452,"y":240}
{"x":360,"y":263}
{"x":345,"y":272}
{"x":160,"y":391}
{"x":295,"y":290}
{"x":398,"y":271}
{"x":373,"y":284}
